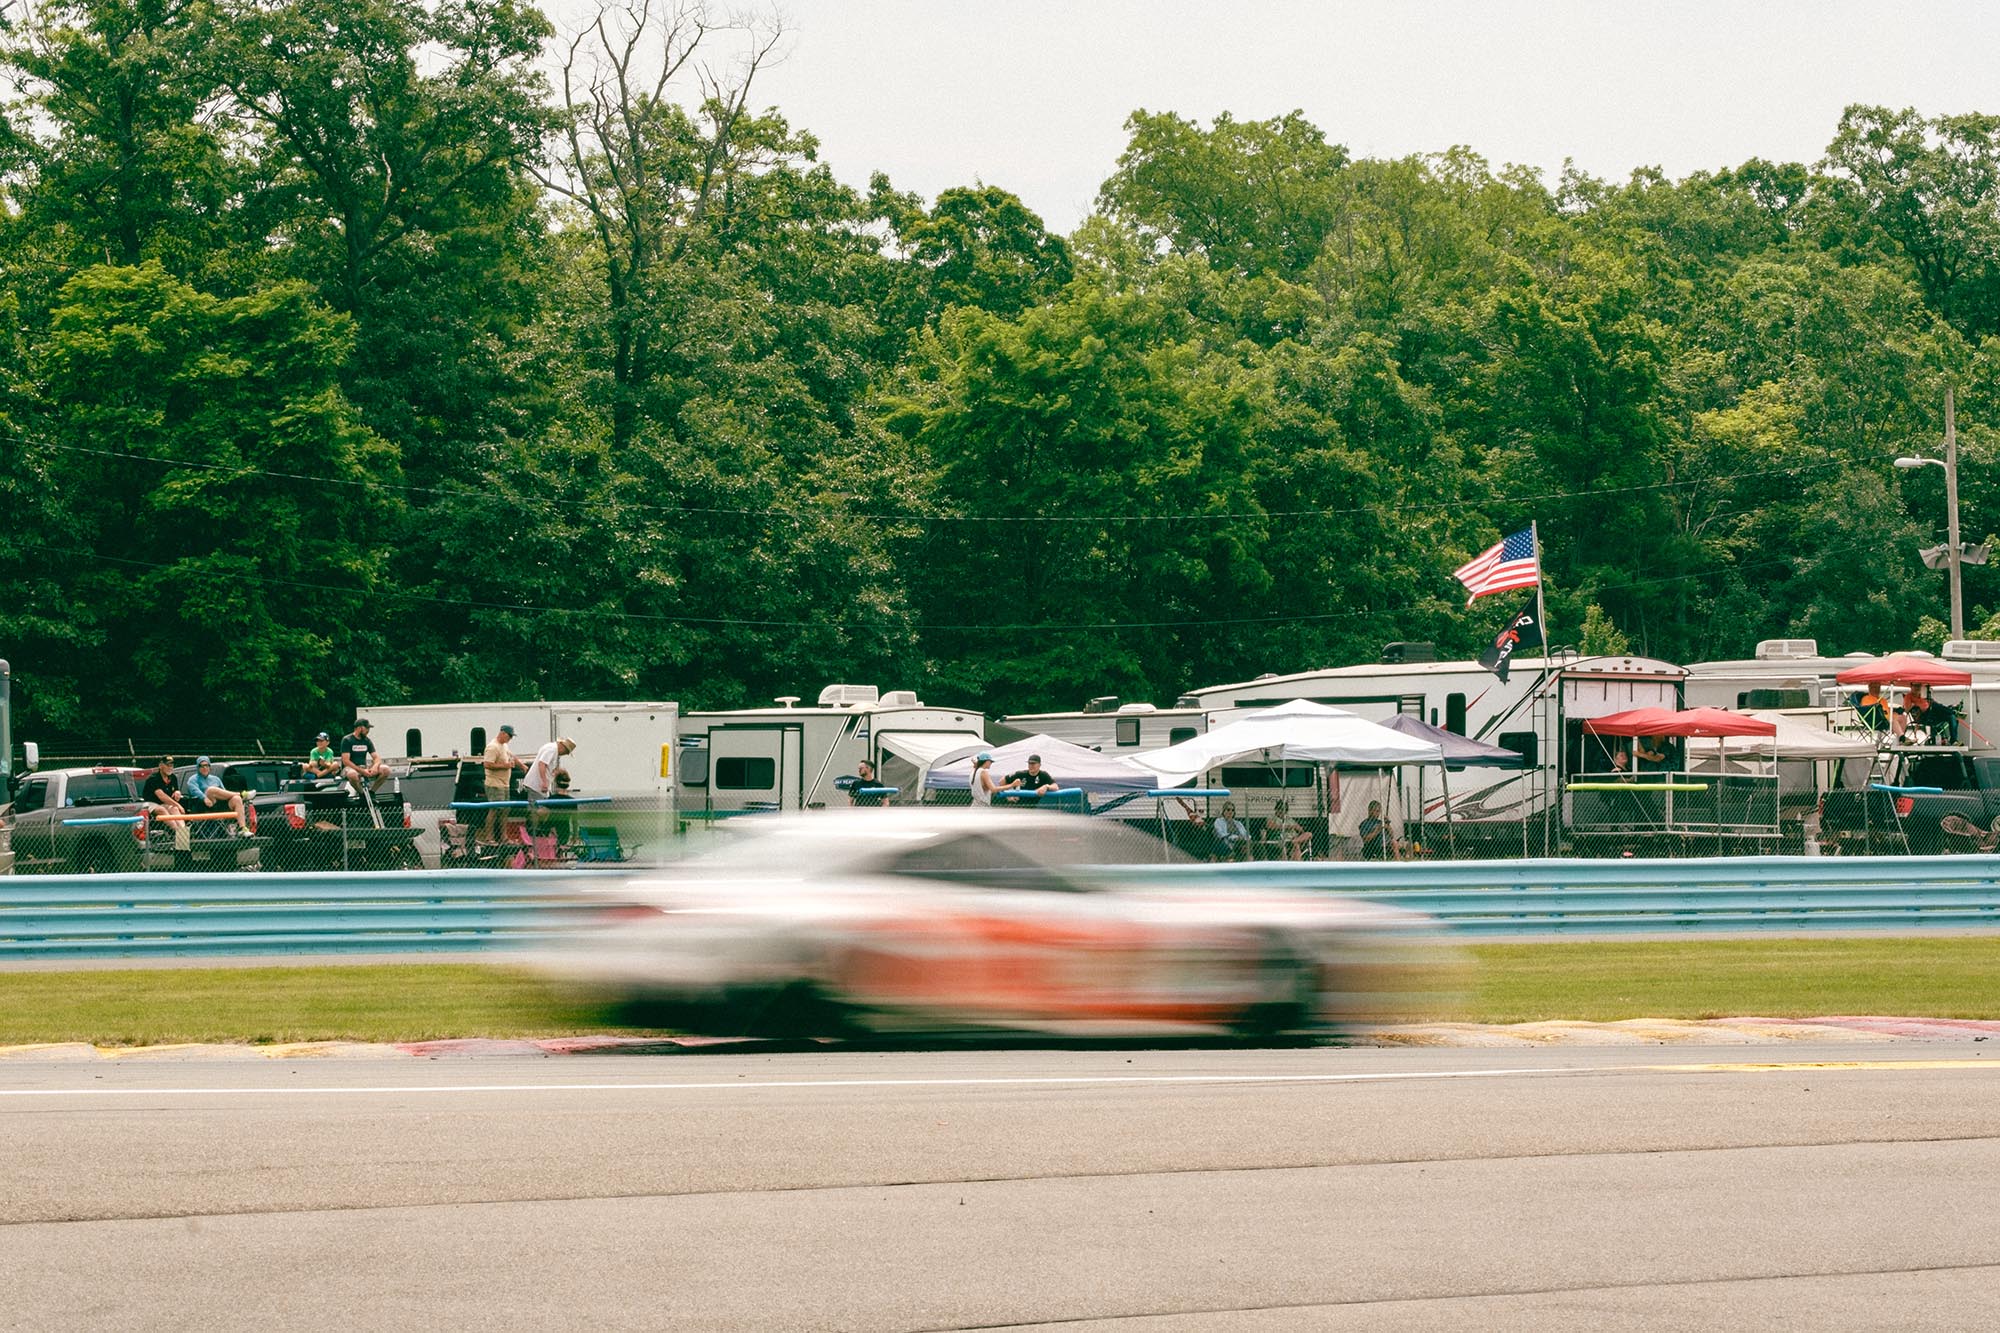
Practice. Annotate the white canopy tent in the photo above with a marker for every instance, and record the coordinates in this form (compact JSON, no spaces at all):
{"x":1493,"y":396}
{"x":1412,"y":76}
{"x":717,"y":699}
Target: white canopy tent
{"x":1298,"y":732}
{"x":1072,"y":765}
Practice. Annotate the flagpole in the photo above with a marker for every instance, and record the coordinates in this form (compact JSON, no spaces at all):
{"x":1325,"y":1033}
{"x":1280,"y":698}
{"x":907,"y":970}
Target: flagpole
{"x":1548,"y":648}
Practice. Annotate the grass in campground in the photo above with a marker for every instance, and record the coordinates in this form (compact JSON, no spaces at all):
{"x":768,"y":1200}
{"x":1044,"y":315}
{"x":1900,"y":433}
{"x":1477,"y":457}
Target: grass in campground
{"x":1953,"y":977}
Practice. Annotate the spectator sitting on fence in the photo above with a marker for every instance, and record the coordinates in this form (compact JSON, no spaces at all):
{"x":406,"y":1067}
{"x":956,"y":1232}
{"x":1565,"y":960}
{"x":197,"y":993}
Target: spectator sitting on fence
{"x":1232,"y":835}
{"x":206,"y":790}
{"x":1285,"y":835}
{"x":322,"y":761}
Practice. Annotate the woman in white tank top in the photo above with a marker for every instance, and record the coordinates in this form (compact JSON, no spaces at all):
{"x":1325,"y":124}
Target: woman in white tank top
{"x":983,"y":785}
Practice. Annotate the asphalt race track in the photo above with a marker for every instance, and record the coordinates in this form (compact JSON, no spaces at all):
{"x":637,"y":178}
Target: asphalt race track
{"x":1850,"y":1187}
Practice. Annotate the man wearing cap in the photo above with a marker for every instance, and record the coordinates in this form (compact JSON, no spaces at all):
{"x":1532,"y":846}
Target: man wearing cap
{"x":1032,"y":779}
{"x":323,"y":761}
{"x":501,"y":765}
{"x":206,"y":790}
{"x":541,"y":776}
{"x":358,"y":760}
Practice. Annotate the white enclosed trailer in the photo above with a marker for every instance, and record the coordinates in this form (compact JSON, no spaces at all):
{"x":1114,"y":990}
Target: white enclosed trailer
{"x":622,"y":749}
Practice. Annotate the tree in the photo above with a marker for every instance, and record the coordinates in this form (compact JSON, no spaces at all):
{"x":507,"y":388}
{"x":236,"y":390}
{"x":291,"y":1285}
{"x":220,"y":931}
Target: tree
{"x":231,"y":502}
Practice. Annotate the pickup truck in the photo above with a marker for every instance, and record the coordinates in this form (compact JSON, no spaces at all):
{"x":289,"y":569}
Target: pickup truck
{"x":308,"y":823}
{"x":1927,"y":799}
{"x":80,"y":820}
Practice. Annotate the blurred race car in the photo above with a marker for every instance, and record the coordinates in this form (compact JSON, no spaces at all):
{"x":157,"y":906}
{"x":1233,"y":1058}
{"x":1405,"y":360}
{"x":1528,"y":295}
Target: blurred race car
{"x":919,"y":921}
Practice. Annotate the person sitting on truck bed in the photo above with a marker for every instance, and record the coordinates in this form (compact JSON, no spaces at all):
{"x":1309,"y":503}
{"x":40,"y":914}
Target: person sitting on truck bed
{"x":322,"y":762}
{"x":162,"y":790}
{"x":358,"y":760}
{"x":206,"y":790}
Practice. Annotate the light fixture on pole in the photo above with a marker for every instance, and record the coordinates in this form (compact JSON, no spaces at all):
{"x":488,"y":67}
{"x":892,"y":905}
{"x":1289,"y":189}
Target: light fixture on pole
{"x":1953,"y":554}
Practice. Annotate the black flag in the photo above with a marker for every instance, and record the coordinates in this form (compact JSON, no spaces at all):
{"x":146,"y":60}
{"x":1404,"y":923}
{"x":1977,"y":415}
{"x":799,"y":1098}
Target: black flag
{"x":1523,"y":631}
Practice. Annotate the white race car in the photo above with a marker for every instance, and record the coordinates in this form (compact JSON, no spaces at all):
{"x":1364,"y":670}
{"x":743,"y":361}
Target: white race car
{"x":1012,"y":920}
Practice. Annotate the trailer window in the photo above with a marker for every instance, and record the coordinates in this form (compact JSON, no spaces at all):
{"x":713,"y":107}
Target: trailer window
{"x":1521,"y":743}
{"x":413,"y":743}
{"x":746,"y":773}
{"x":1179,"y":734}
{"x":31,"y":797}
{"x":1454,"y":713}
{"x":1128,"y":730}
{"x":478,"y":741}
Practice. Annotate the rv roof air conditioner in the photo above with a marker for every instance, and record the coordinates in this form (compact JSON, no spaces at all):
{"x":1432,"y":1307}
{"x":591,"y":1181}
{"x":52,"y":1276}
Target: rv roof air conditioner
{"x":1786,"y":650}
{"x":1188,"y":701}
{"x":901,"y":699}
{"x":1103,"y":703}
{"x":1414,"y":650}
{"x":1137,"y":708}
{"x":847,"y":696}
{"x":1973,"y":650}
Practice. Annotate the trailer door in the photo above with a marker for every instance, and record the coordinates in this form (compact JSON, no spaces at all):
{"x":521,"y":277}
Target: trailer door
{"x":755,"y":766}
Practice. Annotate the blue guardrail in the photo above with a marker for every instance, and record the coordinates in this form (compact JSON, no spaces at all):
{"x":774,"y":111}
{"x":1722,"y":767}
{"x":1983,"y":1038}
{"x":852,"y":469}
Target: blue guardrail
{"x":476,"y":911}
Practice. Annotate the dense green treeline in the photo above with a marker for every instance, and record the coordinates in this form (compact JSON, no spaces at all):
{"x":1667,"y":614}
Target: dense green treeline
{"x":376,"y":350}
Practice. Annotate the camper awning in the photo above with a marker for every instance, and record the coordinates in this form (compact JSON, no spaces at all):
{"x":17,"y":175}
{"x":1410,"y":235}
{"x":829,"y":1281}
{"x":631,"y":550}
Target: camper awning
{"x":1458,"y":750}
{"x":1670,"y":722}
{"x":924,"y":748}
{"x":1903,"y":671}
{"x":1298,"y":732}
{"x":1793,"y":738}
{"x":1073,"y":766}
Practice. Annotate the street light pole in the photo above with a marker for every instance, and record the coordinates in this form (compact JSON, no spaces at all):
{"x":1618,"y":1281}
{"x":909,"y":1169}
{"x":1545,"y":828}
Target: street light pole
{"x":1951,"y":514}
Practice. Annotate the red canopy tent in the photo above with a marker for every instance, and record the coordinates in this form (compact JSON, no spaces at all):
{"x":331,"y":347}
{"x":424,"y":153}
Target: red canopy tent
{"x":1903,"y":671}
{"x":1668,"y":722}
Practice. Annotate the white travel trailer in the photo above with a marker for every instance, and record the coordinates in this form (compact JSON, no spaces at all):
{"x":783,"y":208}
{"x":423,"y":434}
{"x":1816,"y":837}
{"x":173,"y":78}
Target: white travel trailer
{"x":622,"y":749}
{"x":1538,"y":713}
{"x":1115,"y":727}
{"x":790,"y":758}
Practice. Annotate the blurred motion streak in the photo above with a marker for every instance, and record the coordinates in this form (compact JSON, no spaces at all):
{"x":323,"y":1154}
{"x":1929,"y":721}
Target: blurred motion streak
{"x":950,"y":921}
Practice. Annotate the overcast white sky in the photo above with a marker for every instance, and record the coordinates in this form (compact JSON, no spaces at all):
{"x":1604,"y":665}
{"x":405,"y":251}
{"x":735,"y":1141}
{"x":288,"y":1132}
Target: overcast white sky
{"x":1030,"y":94}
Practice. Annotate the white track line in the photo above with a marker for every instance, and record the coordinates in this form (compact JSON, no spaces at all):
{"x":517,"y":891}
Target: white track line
{"x":1052,"y":1080}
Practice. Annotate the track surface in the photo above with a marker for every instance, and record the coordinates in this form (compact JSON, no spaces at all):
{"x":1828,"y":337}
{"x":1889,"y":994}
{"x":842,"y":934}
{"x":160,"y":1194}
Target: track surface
{"x":1115,"y":1188}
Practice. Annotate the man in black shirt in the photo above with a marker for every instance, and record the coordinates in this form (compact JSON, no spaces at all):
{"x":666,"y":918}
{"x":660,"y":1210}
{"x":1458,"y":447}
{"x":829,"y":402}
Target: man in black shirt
{"x":358,"y":761}
{"x":162,"y":788}
{"x":1032,"y":780}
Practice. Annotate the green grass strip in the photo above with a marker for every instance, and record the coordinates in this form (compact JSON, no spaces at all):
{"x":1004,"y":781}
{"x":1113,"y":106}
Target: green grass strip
{"x":1599,"y":981}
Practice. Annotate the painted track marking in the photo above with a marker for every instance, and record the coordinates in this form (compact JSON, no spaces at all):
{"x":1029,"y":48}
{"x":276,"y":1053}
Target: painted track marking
{"x":1050,"y":1080}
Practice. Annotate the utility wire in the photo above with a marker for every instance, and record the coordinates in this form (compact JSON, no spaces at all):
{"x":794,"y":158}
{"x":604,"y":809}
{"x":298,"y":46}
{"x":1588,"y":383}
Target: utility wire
{"x":1228,"y":516}
{"x":596,"y":613}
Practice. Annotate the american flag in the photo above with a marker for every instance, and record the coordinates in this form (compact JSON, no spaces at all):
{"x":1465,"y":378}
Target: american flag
{"x":1510,"y":563}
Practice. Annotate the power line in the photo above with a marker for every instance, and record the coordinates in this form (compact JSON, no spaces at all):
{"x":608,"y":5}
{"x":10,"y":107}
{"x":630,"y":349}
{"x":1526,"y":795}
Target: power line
{"x":598,"y":613}
{"x":794,"y":515}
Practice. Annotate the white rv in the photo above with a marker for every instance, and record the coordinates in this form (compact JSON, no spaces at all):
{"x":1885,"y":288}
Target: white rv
{"x":622,"y":749}
{"x":1114,"y":726}
{"x":1538,"y":713}
{"x":790,"y":758}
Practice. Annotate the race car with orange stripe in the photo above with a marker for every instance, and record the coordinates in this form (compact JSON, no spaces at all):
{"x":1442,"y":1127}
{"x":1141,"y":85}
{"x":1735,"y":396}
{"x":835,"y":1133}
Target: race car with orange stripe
{"x":917,"y":921}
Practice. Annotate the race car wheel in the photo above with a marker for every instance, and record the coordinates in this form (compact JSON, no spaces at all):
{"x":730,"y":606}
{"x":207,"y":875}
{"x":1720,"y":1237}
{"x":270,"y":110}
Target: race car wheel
{"x":799,"y":1009}
{"x":1290,"y":996}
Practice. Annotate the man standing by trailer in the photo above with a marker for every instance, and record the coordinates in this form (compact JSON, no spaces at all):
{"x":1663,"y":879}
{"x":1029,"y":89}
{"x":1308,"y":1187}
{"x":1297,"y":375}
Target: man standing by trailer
{"x":540,"y":779}
{"x":500,"y":765}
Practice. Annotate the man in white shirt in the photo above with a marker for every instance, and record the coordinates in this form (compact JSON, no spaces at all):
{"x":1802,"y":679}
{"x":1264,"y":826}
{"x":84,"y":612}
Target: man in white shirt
{"x":541,"y":778}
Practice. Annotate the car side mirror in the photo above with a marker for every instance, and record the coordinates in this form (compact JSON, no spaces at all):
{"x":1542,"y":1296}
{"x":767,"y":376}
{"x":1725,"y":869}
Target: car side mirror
{"x":31,"y":756}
